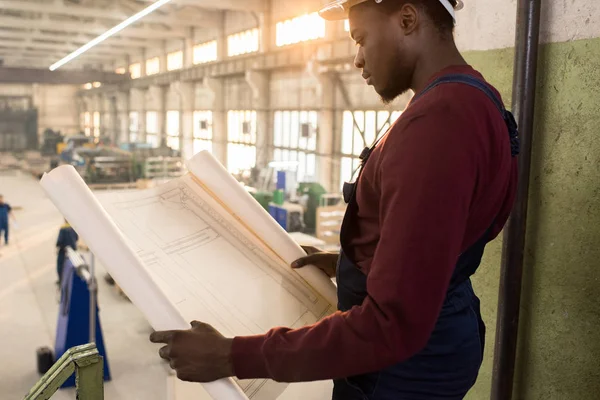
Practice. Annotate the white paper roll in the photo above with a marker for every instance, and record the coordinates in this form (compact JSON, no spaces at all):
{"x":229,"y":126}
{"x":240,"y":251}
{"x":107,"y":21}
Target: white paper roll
{"x":79,"y":206}
{"x":215,"y":177}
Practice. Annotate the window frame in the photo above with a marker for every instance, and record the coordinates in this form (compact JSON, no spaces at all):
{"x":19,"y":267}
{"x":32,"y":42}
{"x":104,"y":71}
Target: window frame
{"x":152,"y":134}
{"x":236,"y":40}
{"x":356,"y":123}
{"x":87,"y":123}
{"x":134,"y":126}
{"x":153,"y":66}
{"x":202,"y":138}
{"x":205,"y":52}
{"x":291,"y":146}
{"x":135,"y":70}
{"x":96,"y":123}
{"x":173,"y":129}
{"x":175,"y":60}
{"x":298,"y":30}
{"x":235,"y":126}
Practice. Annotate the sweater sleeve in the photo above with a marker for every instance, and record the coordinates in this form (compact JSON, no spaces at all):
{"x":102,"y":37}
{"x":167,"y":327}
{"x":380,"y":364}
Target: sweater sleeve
{"x":427,"y":178}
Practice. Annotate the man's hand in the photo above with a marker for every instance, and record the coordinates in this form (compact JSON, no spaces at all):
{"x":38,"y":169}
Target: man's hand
{"x":200,"y":354}
{"x":326,"y":262}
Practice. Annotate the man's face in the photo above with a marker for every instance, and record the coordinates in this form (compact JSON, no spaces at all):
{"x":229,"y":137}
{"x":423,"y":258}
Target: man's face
{"x":383,"y":53}
{"x":1,"y":200}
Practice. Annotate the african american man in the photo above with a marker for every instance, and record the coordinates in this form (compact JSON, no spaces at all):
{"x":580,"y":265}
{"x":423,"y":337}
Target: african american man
{"x":430,"y":195}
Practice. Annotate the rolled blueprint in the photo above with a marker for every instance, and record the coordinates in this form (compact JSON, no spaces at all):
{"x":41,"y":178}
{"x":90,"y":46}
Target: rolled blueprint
{"x":81,"y":208}
{"x":207,"y":169}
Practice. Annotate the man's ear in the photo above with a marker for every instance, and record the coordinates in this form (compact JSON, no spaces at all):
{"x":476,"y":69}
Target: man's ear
{"x":408,"y":18}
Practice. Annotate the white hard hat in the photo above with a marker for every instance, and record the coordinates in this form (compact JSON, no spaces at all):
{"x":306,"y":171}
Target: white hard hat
{"x":339,"y":9}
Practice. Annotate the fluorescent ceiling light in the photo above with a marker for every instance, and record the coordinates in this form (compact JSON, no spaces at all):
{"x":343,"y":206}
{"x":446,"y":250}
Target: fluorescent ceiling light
{"x":109,"y":33}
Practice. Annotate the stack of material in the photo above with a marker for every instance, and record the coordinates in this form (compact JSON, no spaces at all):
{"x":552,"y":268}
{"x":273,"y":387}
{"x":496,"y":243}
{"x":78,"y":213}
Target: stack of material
{"x":8,"y":161}
{"x":330,"y":215}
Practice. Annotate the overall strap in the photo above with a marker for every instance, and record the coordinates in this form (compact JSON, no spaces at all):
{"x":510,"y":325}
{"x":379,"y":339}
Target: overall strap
{"x":470,"y":80}
{"x":465,"y":79}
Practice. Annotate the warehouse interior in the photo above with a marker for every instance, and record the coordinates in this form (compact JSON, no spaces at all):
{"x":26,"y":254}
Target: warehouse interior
{"x":270,"y":89}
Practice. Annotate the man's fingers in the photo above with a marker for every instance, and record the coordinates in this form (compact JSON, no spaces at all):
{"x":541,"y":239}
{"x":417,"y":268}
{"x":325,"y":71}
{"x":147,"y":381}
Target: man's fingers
{"x":165,"y":353}
{"x":301,"y":262}
{"x":162,"y":336}
{"x":174,"y":364}
{"x":186,"y":376}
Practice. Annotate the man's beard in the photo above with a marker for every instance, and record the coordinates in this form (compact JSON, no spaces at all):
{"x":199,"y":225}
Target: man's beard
{"x":398,"y":83}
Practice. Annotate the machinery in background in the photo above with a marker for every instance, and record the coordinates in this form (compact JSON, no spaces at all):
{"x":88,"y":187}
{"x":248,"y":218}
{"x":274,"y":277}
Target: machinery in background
{"x":106,"y":165}
{"x":101,"y":163}
{"x":68,"y":149}
{"x":158,"y":163}
{"x":51,"y":142}
{"x":78,"y":319}
{"x":310,"y":195}
{"x":289,"y":215}
{"x":264,"y":182}
{"x":329,"y":216}
{"x":300,"y":207}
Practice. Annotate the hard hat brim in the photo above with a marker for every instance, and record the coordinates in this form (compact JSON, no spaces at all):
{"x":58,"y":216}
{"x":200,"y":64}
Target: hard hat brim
{"x":338,"y":10}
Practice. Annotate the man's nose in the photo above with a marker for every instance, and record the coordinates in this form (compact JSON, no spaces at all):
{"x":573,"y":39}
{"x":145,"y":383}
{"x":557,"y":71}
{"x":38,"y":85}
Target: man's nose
{"x":359,"y":60}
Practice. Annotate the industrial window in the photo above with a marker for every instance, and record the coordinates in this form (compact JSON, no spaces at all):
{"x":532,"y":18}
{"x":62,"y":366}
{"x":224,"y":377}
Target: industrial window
{"x":96,"y":122}
{"x":153,"y":66}
{"x":359,"y":130}
{"x":241,"y":140}
{"x":135,"y":70}
{"x":203,"y":132}
{"x":87,"y":123}
{"x":295,"y":142}
{"x":205,"y":52}
{"x":120,"y":71}
{"x":152,"y":128}
{"x":134,"y":126}
{"x":243,"y":42}
{"x":300,"y":29}
{"x":175,"y":60}
{"x":173,"y":130}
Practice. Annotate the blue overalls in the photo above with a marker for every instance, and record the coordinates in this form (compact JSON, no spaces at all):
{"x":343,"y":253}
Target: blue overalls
{"x":449,"y":364}
{"x":4,"y":211}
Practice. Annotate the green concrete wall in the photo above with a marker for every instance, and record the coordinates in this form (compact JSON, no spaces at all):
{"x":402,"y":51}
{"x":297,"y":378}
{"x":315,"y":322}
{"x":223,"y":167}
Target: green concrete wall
{"x":559,"y":339}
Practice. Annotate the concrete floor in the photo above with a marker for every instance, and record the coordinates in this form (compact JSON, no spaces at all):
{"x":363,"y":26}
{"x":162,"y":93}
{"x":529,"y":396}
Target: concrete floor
{"x":29,"y":304}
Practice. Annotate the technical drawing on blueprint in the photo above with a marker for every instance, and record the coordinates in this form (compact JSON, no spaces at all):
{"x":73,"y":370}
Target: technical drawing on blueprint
{"x":211,"y":267}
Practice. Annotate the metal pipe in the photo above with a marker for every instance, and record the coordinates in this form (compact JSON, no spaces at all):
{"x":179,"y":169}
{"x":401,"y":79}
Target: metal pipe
{"x":93,"y":288}
{"x":523,"y":105}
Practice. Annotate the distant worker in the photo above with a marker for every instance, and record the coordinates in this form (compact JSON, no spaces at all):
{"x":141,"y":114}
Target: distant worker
{"x":429,"y":196}
{"x":67,"y":237}
{"x":5,"y":213}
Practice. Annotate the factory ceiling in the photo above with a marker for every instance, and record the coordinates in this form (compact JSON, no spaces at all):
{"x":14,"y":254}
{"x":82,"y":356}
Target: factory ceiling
{"x":37,"y":33}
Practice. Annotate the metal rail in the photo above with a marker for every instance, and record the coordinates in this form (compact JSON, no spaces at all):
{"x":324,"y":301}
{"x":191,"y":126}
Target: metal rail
{"x":86,"y":363}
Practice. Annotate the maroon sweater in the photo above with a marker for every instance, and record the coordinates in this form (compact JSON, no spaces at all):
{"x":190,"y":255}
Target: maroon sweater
{"x":430,"y":190}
